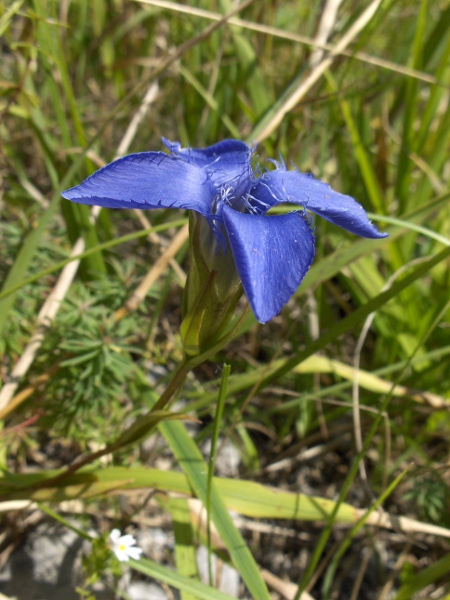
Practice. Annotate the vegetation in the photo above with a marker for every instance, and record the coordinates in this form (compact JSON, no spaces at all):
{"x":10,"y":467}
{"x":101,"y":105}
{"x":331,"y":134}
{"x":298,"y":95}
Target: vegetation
{"x":341,"y":402}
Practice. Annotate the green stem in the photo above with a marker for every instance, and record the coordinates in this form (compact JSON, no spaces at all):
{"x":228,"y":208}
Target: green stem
{"x":174,"y":386}
{"x":212,"y":460}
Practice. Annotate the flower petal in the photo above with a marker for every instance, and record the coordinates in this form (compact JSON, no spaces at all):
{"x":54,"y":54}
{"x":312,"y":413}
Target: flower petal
{"x":121,"y":555}
{"x":127,"y":540}
{"x":115,"y":535}
{"x":228,"y":162}
{"x":279,"y":186}
{"x":272,"y":255}
{"x":134,"y":552}
{"x":147,"y":180}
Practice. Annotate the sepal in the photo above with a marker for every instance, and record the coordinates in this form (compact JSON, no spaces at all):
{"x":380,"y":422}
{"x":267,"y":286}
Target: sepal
{"x":212,"y":290}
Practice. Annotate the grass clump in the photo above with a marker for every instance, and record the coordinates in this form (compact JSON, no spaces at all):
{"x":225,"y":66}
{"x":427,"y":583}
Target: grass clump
{"x":341,"y":401}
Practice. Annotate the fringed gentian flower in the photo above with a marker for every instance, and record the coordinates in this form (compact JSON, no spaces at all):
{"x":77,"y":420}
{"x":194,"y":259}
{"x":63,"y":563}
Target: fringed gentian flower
{"x":272,"y":253}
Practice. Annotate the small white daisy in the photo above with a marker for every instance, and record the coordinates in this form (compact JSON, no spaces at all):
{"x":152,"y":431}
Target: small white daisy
{"x":124,"y":546}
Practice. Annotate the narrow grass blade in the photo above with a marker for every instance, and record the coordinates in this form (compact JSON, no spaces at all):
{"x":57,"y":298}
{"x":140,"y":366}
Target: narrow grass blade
{"x":185,"y":584}
{"x":362,"y":157}
{"x":411,"y":101}
{"x":210,"y":100}
{"x":9,"y":14}
{"x":248,"y":498}
{"x":9,"y":290}
{"x":428,"y":576}
{"x":358,"y":315}
{"x":22,"y":262}
{"x":193,"y":464}
{"x":77,"y":218}
{"x":212,"y":458}
{"x":189,"y":587}
{"x":331,"y":571}
{"x":185,"y":554}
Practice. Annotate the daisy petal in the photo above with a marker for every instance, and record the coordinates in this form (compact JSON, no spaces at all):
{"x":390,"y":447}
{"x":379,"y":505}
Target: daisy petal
{"x":127,"y":540}
{"x":272,"y":255}
{"x":122,"y":555}
{"x":114,"y":535}
{"x":281,"y":186}
{"x":147,"y":180}
{"x":134,"y":552}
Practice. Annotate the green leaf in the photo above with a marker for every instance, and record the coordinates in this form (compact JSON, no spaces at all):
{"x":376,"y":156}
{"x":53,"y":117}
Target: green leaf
{"x":185,"y":554}
{"x":192,"y":463}
{"x":430,"y":575}
{"x":22,"y":262}
{"x":194,"y":588}
{"x":9,"y":14}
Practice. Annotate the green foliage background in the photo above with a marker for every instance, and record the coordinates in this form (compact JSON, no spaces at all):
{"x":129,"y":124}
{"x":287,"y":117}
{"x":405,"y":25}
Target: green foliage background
{"x":375,"y":125}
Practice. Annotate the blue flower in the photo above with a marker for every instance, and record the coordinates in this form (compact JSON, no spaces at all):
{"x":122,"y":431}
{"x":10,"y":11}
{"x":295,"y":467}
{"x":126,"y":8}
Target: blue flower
{"x":272,"y":253}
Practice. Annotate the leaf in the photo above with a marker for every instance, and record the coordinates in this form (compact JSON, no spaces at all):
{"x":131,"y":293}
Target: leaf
{"x":428,"y":576}
{"x":248,"y":498}
{"x":191,"y":461}
{"x":194,"y":588}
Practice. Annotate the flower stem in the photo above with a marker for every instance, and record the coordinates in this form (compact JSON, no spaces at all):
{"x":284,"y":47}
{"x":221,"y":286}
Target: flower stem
{"x":175,"y":384}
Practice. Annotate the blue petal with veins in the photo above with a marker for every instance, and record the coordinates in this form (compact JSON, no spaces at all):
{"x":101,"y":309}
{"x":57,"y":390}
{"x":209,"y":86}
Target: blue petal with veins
{"x":272,"y":254}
